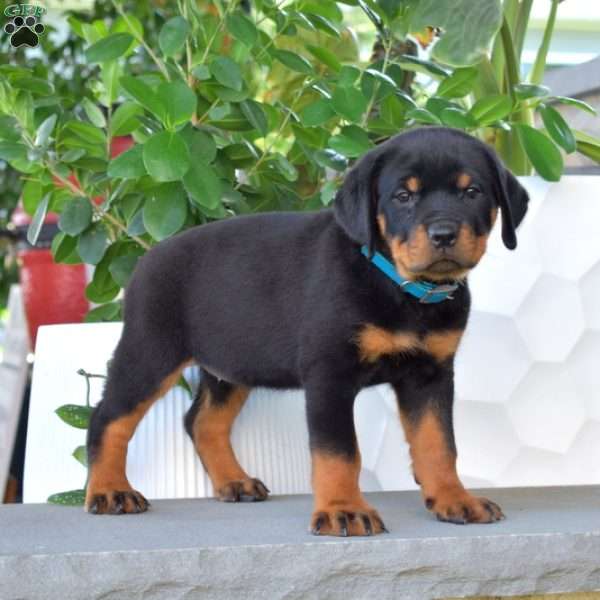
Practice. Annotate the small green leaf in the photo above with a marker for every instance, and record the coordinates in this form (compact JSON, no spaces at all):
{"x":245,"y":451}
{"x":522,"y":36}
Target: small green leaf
{"x":37,"y":221}
{"x":105,"y":313}
{"x":331,"y":159}
{"x":129,"y":164}
{"x":421,"y":115}
{"x":124,"y":119}
{"x":453,"y":117}
{"x":543,"y":154}
{"x":92,"y":244}
{"x":75,"y":415}
{"x":72,"y":155}
{"x":286,"y":168}
{"x":173,"y":35}
{"x":203,"y":185}
{"x":179,"y":101}
{"x":293,"y":61}
{"x":71,"y":498}
{"x":328,"y":192}
{"x":420,"y":65}
{"x":76,"y":216}
{"x":185,"y":385}
{"x":317,"y":113}
{"x":242,"y":28}
{"x":44,"y":130}
{"x":524,"y":91}
{"x":349,"y":103}
{"x":348,"y":76}
{"x":166,"y":156}
{"x":201,"y":72}
{"x":227,"y":72}
{"x":382,"y":77}
{"x":109,"y":48}
{"x":491,"y":108}
{"x":143,"y":94}
{"x":165,"y":211}
{"x":255,"y":114}
{"x":200,"y":144}
{"x":574,"y":102}
{"x":80,"y":455}
{"x":459,"y":84}
{"x":327,"y":57}
{"x":94,"y":114}
{"x":351,"y":142}
{"x":121,"y":268}
{"x":558,"y":128}
{"x":64,"y":249}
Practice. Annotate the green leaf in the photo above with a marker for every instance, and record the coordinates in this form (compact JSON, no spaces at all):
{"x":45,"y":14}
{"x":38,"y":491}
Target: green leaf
{"x":491,"y":108}
{"x":109,"y":48}
{"x":420,"y":65}
{"x":70,"y":498}
{"x":72,"y":155}
{"x":10,"y":151}
{"x":129,"y":164}
{"x":75,"y":415}
{"x":331,"y":159}
{"x":185,"y":385}
{"x":80,"y":455}
{"x":286,"y":168}
{"x":351,"y":142}
{"x":349,"y":103}
{"x":173,"y":35}
{"x":328,"y":192}
{"x":541,"y":151}
{"x":166,"y":156}
{"x":37,"y":221}
{"x":382,"y":78}
{"x":574,"y":102}
{"x":44,"y":130}
{"x":94,"y":114}
{"x":255,"y":114}
{"x":467,"y":28}
{"x":64,"y":249}
{"x":201,"y":72}
{"x":293,"y":61}
{"x":317,"y":113}
{"x":203,"y":185}
{"x":179,"y":101}
{"x":421,"y":115}
{"x":122,"y":267}
{"x":92,"y":244}
{"x":558,"y":128}
{"x":104,"y":313}
{"x":588,"y":145}
{"x":242,"y":28}
{"x":348,"y":76}
{"x":453,"y":117}
{"x":459,"y":84}
{"x":32,"y":194}
{"x":124,"y":119}
{"x":227,"y":72}
{"x":524,"y":91}
{"x":327,"y":57}
{"x":143,"y":94}
{"x":165,"y":211}
{"x":76,"y":216}
{"x":200,"y":144}
{"x":87,"y":132}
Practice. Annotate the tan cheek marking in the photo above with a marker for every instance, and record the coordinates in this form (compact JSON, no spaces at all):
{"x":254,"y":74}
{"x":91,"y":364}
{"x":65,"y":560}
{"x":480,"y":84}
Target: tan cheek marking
{"x":443,"y":345}
{"x":375,"y":342}
{"x":413,"y":184}
{"x":494,"y":216}
{"x":470,"y":246}
{"x":382,"y":224}
{"x":463,"y":181}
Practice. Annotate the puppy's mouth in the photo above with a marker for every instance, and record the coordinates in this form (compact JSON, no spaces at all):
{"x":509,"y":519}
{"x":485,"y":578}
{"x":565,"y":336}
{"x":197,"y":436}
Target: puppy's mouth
{"x":444,"y":265}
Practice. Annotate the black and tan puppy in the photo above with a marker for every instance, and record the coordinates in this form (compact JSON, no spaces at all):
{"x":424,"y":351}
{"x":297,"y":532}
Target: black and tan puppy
{"x":292,"y":300}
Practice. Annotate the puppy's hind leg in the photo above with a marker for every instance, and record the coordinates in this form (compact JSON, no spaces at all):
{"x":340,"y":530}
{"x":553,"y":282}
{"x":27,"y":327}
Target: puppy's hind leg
{"x":208,"y":423}
{"x":138,"y":375}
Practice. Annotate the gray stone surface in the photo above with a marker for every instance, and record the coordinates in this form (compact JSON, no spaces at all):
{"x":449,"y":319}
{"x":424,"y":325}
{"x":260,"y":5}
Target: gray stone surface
{"x":188,"y":549}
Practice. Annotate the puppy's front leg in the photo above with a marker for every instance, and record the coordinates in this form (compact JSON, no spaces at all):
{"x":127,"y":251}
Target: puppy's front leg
{"x":340,"y":508}
{"x":426,"y":413}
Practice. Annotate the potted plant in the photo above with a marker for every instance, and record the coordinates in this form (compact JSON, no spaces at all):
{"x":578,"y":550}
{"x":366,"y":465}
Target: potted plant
{"x":196,"y":88}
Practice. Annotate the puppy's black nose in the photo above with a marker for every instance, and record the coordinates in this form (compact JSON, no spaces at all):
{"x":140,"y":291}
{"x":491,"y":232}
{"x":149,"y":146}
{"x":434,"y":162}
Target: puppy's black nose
{"x":443,"y":234}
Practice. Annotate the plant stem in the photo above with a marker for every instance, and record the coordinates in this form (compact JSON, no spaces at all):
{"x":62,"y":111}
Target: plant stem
{"x":512,"y":68}
{"x":387,"y":44}
{"x":521,"y":26}
{"x":539,"y":66}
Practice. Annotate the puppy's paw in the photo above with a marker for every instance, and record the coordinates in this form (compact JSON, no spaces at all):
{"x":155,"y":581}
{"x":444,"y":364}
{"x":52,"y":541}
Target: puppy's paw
{"x":347,"y":520}
{"x":245,"y":490}
{"x":460,"y":507}
{"x":116,"y":502}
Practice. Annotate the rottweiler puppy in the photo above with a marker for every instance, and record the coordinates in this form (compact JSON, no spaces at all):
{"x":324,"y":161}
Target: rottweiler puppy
{"x":372,"y":291}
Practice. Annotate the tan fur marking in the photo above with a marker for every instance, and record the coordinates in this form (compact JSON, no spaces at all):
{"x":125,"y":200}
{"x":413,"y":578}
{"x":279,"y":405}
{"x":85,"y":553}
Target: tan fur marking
{"x":413,"y":184}
{"x":374,"y":342}
{"x":212,"y":431}
{"x":463,"y":181}
{"x":335,"y":481}
{"x":107,"y":472}
{"x":443,"y":345}
{"x":382,"y":224}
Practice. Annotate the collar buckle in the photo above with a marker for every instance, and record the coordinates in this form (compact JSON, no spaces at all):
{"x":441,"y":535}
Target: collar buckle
{"x":445,"y":290}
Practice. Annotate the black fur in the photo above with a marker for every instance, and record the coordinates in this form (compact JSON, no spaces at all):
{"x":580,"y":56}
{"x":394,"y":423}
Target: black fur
{"x":277,"y":299}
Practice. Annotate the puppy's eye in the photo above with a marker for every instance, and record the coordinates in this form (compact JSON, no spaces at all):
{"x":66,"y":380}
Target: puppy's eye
{"x":472,"y":192}
{"x":402,"y":195}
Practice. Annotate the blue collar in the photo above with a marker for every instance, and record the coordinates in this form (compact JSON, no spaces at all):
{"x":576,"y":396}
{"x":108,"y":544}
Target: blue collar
{"x":426,"y":292}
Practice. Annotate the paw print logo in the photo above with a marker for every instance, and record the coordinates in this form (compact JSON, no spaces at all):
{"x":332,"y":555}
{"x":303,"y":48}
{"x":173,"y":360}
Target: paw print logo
{"x":24,"y":32}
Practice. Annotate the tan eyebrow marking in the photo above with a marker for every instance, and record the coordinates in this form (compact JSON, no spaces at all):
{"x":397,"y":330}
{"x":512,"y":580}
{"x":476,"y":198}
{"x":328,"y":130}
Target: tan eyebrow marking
{"x":413,"y":184}
{"x":463,"y":181}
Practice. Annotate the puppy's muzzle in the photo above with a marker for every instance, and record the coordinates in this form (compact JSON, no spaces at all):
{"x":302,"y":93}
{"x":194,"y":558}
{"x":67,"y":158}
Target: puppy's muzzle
{"x":443,"y":234}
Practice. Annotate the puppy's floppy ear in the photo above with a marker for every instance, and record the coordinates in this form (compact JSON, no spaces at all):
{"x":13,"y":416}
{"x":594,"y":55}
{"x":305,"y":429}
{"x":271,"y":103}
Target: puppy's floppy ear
{"x":356,"y":201}
{"x":512,"y":199}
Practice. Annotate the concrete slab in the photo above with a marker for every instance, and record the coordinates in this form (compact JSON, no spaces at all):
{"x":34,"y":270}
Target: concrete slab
{"x":188,"y":549}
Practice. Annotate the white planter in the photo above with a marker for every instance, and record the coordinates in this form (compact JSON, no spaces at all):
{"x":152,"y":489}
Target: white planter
{"x":528,"y":405}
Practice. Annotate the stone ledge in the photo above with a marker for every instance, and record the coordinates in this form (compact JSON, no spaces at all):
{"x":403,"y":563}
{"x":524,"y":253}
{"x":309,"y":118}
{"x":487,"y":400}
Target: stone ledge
{"x":192,"y":549}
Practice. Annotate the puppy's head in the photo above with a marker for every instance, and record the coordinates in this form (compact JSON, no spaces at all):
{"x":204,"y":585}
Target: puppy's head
{"x":430,"y":196}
